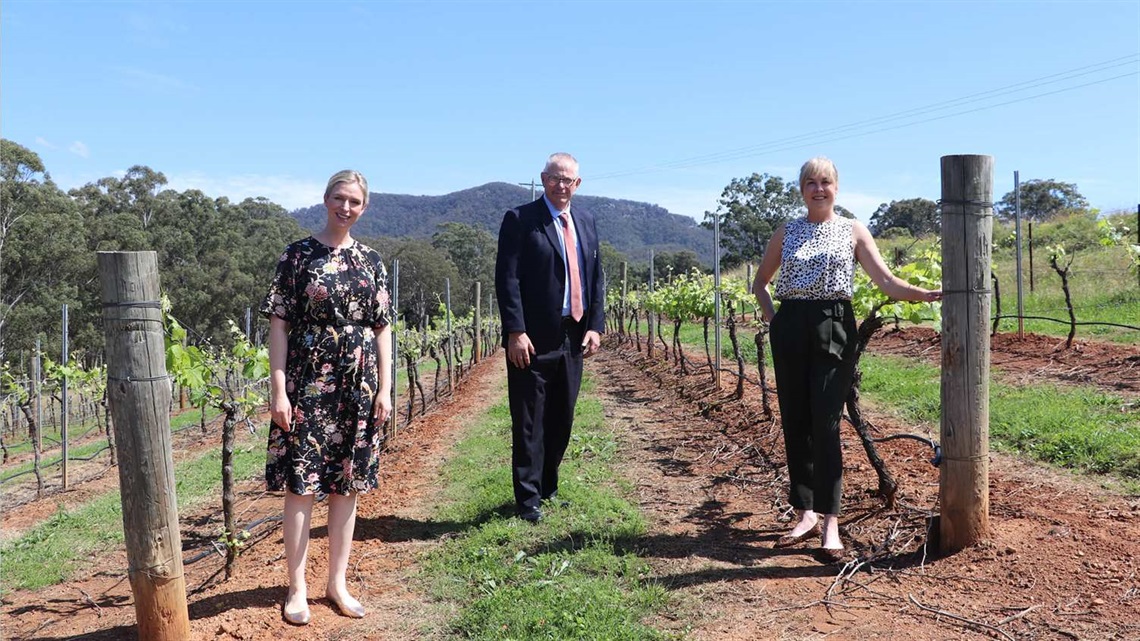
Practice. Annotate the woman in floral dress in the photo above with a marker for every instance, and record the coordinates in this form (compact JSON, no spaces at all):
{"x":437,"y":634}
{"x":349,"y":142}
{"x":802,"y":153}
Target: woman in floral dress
{"x":330,"y":357}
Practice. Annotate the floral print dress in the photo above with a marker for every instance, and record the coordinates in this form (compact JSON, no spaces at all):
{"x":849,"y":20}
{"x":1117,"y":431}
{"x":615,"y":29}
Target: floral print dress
{"x":332,"y":299}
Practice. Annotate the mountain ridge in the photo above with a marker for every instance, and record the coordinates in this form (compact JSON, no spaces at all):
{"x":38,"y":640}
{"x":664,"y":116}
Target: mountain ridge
{"x":632,"y":227}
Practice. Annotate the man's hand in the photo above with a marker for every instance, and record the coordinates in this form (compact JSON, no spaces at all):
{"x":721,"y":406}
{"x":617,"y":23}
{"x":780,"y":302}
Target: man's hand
{"x":591,"y":343}
{"x":519,"y":349}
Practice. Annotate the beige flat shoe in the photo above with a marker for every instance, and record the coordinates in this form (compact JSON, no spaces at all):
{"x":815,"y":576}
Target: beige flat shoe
{"x":832,"y":555}
{"x":300,"y":617}
{"x":789,"y":540}
{"x":350,"y":611}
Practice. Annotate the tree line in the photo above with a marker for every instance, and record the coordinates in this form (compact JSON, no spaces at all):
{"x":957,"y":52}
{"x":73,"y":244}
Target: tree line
{"x":217,"y":256}
{"x":750,"y":210}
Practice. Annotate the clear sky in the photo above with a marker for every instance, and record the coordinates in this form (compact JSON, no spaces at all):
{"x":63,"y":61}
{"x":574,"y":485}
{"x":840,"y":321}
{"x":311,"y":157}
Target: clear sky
{"x":662,"y":101}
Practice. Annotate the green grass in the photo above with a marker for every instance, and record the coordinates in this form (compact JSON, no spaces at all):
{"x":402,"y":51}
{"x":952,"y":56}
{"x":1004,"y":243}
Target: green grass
{"x":1073,"y":427}
{"x":574,"y":575}
{"x":184,"y":419}
{"x":52,"y":551}
{"x":1076,"y":427}
{"x":1103,"y":284}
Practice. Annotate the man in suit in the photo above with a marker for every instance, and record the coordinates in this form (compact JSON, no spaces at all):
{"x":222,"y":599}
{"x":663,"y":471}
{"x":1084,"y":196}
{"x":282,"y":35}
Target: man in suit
{"x":551,"y":291}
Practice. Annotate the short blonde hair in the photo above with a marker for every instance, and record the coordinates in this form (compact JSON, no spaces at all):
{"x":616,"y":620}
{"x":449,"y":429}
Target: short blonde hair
{"x":818,"y":166}
{"x":350,"y":176}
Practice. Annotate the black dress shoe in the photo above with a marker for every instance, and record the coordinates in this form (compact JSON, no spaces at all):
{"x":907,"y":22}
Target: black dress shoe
{"x":554,"y":501}
{"x":531,"y":515}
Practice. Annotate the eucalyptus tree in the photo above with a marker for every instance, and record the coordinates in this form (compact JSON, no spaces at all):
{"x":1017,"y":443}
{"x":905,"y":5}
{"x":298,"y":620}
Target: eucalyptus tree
{"x":1043,"y":199}
{"x":919,"y":216}
{"x":41,"y":249}
{"x":750,"y":210}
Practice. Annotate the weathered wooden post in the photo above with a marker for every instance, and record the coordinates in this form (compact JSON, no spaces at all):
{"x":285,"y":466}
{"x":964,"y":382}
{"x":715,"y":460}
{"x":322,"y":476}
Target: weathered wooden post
{"x":967,"y":230}
{"x":623,"y":310}
{"x":651,"y":316}
{"x":138,"y":395}
{"x":450,"y":334}
{"x":477,"y":344}
{"x":65,"y":403}
{"x":395,"y":301}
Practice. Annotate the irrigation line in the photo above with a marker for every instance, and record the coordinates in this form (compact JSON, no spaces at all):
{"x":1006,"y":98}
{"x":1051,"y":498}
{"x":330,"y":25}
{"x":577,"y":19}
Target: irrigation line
{"x":1011,"y":317}
{"x":1065,"y":322}
{"x":56,"y":462}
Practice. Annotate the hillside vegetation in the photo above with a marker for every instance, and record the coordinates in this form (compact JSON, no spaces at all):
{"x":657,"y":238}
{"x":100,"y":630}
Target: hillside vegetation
{"x":633,"y":228}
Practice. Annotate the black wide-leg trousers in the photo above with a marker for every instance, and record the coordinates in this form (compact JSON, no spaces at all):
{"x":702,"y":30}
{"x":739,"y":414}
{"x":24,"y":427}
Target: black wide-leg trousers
{"x":813,"y":351}
{"x":542,"y":399}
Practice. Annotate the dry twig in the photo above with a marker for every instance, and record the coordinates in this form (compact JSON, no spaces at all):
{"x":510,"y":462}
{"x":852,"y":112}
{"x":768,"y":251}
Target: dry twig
{"x":959,"y":619}
{"x":1019,"y":614}
{"x":87,"y":599}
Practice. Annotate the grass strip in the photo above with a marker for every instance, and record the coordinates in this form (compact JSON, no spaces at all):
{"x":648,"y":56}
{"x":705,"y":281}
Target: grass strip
{"x":575,"y":575}
{"x":1079,"y":428}
{"x":53,"y":550}
{"x":178,"y":421}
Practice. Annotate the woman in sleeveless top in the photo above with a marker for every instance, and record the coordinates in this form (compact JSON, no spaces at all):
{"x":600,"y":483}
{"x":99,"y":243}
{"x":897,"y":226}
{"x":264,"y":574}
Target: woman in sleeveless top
{"x":813,"y":344}
{"x":330,"y":358}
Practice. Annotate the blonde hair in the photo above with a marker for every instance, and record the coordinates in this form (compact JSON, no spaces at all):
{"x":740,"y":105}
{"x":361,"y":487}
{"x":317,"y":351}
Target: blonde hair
{"x":818,"y":166}
{"x":350,"y":176}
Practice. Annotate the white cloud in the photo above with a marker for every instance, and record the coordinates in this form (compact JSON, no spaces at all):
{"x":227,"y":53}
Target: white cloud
{"x":79,"y":149}
{"x":44,"y":143}
{"x":291,"y":193}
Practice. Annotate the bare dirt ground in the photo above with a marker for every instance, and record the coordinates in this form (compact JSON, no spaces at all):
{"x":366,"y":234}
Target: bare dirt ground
{"x":1060,"y":561}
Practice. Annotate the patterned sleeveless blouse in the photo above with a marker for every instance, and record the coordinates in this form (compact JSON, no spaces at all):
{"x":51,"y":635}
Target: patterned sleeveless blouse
{"x":817,"y":261}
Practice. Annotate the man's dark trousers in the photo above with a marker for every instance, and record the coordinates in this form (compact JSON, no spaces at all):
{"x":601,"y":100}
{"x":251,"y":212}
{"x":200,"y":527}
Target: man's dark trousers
{"x":542,"y":399}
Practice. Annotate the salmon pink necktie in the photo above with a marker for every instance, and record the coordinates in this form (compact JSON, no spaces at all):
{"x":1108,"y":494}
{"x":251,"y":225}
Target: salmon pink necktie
{"x":572,"y":267}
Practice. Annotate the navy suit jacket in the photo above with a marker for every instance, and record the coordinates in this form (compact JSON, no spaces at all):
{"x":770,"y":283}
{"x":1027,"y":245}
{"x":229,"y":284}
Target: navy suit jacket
{"x":530,"y":274}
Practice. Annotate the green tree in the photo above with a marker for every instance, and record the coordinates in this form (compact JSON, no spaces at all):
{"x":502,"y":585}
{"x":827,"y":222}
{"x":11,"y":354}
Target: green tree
{"x":612,"y":258}
{"x":424,"y":272}
{"x":666,"y":264}
{"x":750,"y":209}
{"x":42,"y":256}
{"x":1043,"y":199}
{"x":919,"y":216}
{"x":840,"y":210}
{"x":472,"y":250}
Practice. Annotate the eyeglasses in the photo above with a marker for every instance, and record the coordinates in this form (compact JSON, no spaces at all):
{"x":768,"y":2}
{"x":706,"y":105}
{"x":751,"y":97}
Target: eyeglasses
{"x":561,"y":181}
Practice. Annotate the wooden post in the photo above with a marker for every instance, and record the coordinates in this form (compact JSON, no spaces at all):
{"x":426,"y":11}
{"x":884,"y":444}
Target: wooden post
{"x":138,"y":395}
{"x":395,"y":298}
{"x":716,"y":301}
{"x":450,"y":334}
{"x":65,"y":404}
{"x":650,"y":316}
{"x":624,"y":310}
{"x":1030,"y":257}
{"x":967,"y":231}
{"x":477,"y":344}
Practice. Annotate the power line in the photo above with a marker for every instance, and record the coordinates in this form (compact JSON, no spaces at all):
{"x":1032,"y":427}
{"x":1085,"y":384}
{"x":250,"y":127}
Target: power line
{"x":819,"y":137}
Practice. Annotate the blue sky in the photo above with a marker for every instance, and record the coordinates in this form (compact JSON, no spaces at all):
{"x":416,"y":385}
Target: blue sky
{"x":661,"y":101}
